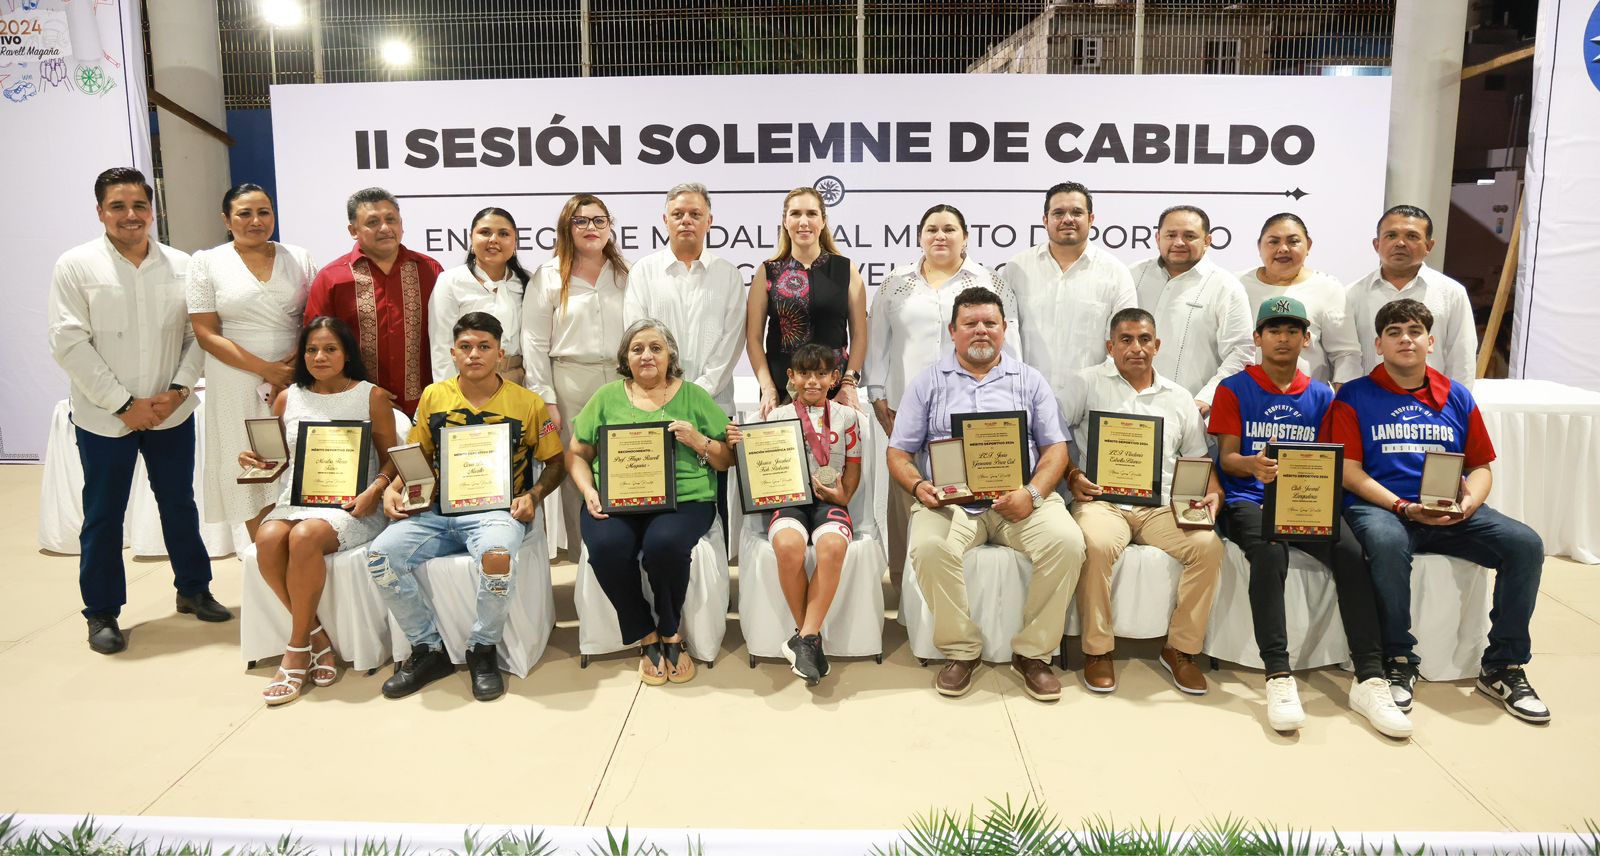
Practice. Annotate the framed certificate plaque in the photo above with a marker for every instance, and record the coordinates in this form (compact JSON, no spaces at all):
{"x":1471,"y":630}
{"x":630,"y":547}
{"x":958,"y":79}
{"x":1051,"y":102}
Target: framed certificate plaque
{"x":773,"y":472}
{"x":1304,"y":502}
{"x":330,"y":462}
{"x":1124,"y":457}
{"x":638,"y":468}
{"x":475,"y":468}
{"x":995,"y":448}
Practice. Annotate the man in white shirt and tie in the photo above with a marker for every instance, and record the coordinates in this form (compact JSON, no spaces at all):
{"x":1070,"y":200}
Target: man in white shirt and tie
{"x":1067,"y":290}
{"x":1201,"y":310}
{"x":698,"y":296}
{"x":1403,"y":242}
{"x":119,"y":327}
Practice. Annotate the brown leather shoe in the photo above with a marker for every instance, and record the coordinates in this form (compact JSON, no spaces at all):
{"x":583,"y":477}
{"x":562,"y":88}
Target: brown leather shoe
{"x":955,"y":679}
{"x":1185,"y":674}
{"x":1099,"y":674}
{"x":1037,"y":679}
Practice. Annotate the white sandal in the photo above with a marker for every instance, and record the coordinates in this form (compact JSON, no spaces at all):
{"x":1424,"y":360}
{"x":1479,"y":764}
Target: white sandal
{"x":317,"y":667}
{"x":292,"y":678}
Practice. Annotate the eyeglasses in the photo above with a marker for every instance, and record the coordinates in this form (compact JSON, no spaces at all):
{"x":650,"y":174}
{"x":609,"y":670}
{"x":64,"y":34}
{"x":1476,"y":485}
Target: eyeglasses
{"x":599,"y":222}
{"x":1060,"y":214}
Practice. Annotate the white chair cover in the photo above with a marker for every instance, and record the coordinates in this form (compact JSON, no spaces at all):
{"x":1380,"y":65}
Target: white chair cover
{"x":1450,"y":601}
{"x":61,"y":497}
{"x":1311,"y":613}
{"x":997,"y":586}
{"x":350,"y":610}
{"x":1144,"y":589}
{"x":450,"y":586}
{"x":854,"y":626}
{"x":705,"y":609}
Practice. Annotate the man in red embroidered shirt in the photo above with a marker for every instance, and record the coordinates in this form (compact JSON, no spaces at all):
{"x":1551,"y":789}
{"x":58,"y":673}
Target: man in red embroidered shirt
{"x":1387,"y":422}
{"x":381,"y":289}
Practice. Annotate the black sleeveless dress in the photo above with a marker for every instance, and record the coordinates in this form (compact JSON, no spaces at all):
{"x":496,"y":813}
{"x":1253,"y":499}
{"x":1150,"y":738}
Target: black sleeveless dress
{"x":806,"y":305}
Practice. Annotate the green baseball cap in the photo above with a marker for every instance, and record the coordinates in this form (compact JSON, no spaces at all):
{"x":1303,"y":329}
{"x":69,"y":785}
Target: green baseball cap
{"x":1274,"y":308}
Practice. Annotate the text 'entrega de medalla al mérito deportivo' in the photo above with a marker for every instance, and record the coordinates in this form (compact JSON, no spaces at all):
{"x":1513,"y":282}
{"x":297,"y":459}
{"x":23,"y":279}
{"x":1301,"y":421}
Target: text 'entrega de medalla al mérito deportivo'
{"x":558,"y":144}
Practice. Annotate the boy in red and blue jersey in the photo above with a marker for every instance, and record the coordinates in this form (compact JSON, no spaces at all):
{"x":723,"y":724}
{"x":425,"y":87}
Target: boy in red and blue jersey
{"x":1276,"y":402}
{"x":1387,"y":422}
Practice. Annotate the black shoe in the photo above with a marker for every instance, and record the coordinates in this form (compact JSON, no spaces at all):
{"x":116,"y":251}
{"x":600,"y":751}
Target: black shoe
{"x":423,"y":667}
{"x":487,"y":683}
{"x":802,"y":659}
{"x":815,"y":641}
{"x":1509,"y":686}
{"x":105,"y":637}
{"x":204,"y":607}
{"x":1402,"y":676}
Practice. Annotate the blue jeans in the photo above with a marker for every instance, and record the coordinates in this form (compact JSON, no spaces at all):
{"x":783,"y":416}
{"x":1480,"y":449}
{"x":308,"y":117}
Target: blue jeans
{"x":405,"y":545}
{"x":108,"y":478}
{"x":1487,"y":538}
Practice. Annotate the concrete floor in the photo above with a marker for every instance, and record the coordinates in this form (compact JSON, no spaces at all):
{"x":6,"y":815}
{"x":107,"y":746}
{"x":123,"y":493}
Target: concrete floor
{"x":175,"y":726}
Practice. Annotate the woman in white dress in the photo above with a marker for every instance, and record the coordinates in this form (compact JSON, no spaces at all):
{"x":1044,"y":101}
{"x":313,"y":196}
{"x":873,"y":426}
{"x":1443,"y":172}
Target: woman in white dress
{"x":491,"y":281}
{"x":909,"y":330}
{"x":246,"y":299}
{"x":330,"y":382}
{"x":571,"y":322}
{"x":1335,"y":352}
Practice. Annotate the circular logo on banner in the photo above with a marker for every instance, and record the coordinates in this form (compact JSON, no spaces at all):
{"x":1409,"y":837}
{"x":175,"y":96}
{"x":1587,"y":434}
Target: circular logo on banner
{"x":1591,"y":47}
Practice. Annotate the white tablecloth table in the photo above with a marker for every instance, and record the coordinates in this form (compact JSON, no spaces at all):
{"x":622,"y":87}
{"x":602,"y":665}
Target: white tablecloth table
{"x":61,"y":496}
{"x":1547,"y":436}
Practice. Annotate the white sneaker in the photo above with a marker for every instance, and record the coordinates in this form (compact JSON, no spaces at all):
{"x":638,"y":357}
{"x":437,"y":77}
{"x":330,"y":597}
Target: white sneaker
{"x":1284,"y":712}
{"x":1371,"y":698}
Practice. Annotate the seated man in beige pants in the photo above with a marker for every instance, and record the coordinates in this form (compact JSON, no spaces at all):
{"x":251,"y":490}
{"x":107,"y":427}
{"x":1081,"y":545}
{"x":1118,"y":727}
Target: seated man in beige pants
{"x":1032,"y":519}
{"x":1131,"y":385}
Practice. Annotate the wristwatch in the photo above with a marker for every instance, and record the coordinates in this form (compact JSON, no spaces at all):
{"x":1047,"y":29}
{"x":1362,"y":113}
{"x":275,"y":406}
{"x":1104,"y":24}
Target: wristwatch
{"x":854,"y":376}
{"x":180,"y":389}
{"x":1038,"y":499}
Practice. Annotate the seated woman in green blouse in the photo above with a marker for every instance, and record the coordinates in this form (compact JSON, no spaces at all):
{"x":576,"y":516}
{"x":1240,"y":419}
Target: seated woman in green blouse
{"x":653,"y":390}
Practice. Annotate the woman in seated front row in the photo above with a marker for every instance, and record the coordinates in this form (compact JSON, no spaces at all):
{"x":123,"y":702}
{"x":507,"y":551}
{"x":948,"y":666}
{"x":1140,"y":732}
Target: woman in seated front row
{"x":832,"y":437}
{"x":652,"y":390}
{"x":330,"y":382}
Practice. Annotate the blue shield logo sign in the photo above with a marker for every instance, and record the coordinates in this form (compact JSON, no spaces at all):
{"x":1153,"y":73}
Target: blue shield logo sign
{"x":1591,"y":47}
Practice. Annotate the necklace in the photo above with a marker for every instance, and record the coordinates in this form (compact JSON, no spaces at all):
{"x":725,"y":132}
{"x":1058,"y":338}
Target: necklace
{"x":348,"y":385}
{"x":650,"y":395}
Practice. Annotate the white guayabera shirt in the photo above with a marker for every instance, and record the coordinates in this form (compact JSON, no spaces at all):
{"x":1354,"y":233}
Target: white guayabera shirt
{"x":1203,"y":321}
{"x":702,"y":303}
{"x":1455,"y":334}
{"x":121,"y":331}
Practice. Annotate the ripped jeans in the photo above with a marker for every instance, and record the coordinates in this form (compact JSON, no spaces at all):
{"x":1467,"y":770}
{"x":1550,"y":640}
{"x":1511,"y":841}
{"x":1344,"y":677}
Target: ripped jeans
{"x":401,"y":548}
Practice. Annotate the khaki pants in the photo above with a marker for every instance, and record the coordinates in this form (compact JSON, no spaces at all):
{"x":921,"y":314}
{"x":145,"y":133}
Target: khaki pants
{"x":575,"y":383}
{"x":1107,"y":529}
{"x":940,"y":538}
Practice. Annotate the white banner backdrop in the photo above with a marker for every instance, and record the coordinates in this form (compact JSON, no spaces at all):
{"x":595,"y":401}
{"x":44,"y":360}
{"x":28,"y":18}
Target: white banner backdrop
{"x":1557,"y":316}
{"x":881,"y":149}
{"x":72,"y":104}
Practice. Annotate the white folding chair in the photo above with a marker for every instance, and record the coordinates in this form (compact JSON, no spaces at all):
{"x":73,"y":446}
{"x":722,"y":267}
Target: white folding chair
{"x":351,"y":610}
{"x":705,"y":609}
{"x":854,"y":626}
{"x":450,"y":587}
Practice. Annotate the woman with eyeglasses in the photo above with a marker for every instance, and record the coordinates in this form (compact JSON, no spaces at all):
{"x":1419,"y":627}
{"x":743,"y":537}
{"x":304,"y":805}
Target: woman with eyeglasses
{"x":491,"y":281}
{"x":571,"y":322}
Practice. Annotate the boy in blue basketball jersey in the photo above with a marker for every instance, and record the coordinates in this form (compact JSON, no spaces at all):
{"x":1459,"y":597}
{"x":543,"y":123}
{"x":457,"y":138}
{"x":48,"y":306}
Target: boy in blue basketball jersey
{"x":1387,"y":421}
{"x":1276,"y":402}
